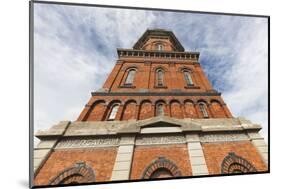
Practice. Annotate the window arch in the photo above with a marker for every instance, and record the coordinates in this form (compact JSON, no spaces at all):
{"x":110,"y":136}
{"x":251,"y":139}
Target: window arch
{"x":113,"y":112}
{"x":160,"y":78}
{"x":235,"y":164}
{"x":160,"y":109}
{"x":159,"y":46}
{"x":130,"y":77}
{"x":161,"y":168}
{"x":203,"y":110}
{"x":79,"y":173}
{"x":188,"y":78}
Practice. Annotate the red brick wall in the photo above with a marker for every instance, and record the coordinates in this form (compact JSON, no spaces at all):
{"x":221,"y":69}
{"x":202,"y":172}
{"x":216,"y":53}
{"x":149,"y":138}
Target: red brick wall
{"x":144,"y":155}
{"x":129,"y":111}
{"x":217,"y":110}
{"x":215,"y":153}
{"x":97,"y":112}
{"x":145,"y":109}
{"x":190,"y":111}
{"x":145,"y":80}
{"x":176,"y":110}
{"x":100,"y":159}
{"x":146,"y":72}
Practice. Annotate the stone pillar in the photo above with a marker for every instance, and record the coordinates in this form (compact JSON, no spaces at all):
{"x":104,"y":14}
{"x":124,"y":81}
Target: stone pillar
{"x":123,"y":161}
{"x":196,"y":156}
{"x":258,"y":141}
{"x":183,"y":110}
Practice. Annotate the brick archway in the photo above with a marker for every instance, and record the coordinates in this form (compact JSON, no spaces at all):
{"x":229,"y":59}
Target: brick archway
{"x":236,"y":164}
{"x":162,"y":165}
{"x":79,"y":173}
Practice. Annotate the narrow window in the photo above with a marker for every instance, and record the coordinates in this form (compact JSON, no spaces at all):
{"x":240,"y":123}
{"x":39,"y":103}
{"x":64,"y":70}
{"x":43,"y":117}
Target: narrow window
{"x":113,"y":112}
{"x":159,"y":47}
{"x":130,"y":77}
{"x":203,"y":110}
{"x":160,"y":78}
{"x":160,"y":110}
{"x":188,"y":78}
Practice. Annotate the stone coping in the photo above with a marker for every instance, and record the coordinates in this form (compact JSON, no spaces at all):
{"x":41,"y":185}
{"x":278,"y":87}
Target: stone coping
{"x":145,"y":93}
{"x":153,"y":125}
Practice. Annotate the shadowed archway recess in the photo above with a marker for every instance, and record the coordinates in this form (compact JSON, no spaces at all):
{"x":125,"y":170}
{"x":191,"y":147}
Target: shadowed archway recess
{"x":161,"y":168}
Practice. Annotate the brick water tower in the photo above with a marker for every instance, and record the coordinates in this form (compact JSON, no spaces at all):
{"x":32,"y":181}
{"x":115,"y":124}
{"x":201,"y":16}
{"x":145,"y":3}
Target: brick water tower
{"x":156,"y":116}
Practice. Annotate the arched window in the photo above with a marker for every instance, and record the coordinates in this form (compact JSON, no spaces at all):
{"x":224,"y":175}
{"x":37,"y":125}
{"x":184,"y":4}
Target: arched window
{"x":160,"y":109}
{"x":159,"y":47}
{"x":187,"y":78}
{"x":235,"y":164}
{"x":161,"y":168}
{"x":113,"y":112}
{"x":203,"y":110}
{"x":160,"y":78}
{"x":78,"y":173}
{"x":130,"y":77}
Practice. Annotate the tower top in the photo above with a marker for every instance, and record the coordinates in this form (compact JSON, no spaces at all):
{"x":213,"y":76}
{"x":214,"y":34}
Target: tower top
{"x":159,"y":34}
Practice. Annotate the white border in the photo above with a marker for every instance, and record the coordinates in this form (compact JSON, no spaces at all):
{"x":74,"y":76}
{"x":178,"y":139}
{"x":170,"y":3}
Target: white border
{"x":14,"y":91}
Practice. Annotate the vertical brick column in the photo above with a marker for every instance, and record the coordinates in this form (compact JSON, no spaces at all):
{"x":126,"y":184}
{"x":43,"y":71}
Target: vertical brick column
{"x":198,"y":113}
{"x":258,"y":141}
{"x":122,"y":165}
{"x":45,"y":147}
{"x":41,"y":152}
{"x":183,"y":111}
{"x":119,"y":112}
{"x":196,"y":156}
{"x":113,"y":75}
{"x":226,"y":111}
{"x":210,"y":111}
{"x":137,"y":112}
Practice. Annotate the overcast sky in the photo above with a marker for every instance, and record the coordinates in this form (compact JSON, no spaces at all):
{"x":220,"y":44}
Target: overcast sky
{"x":75,"y":50}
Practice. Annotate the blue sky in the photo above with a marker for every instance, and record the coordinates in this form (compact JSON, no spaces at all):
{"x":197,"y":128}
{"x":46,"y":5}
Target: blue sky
{"x":75,"y":50}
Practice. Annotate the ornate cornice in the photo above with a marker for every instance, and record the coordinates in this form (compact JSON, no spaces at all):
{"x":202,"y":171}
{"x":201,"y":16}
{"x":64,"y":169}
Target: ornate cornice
{"x":157,"y":54}
{"x":215,"y":93}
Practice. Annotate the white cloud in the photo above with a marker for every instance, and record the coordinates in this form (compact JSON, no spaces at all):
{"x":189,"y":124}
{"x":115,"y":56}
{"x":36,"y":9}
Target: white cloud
{"x":248,"y":77}
{"x":68,"y":59}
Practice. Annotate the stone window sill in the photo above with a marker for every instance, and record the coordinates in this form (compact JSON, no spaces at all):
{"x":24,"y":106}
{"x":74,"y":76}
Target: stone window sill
{"x":127,"y":86}
{"x":161,"y":87}
{"x":191,"y":87}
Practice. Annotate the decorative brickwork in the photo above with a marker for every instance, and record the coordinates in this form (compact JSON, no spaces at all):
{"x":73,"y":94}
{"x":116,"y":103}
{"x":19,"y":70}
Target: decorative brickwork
{"x":143,"y":107}
{"x":215,"y":153}
{"x":145,"y":155}
{"x":101,"y":160}
{"x":236,"y":164}
{"x":79,"y":173}
{"x":161,"y":164}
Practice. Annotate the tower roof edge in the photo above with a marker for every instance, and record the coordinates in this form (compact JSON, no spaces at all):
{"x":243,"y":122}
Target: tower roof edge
{"x":158,"y":32}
